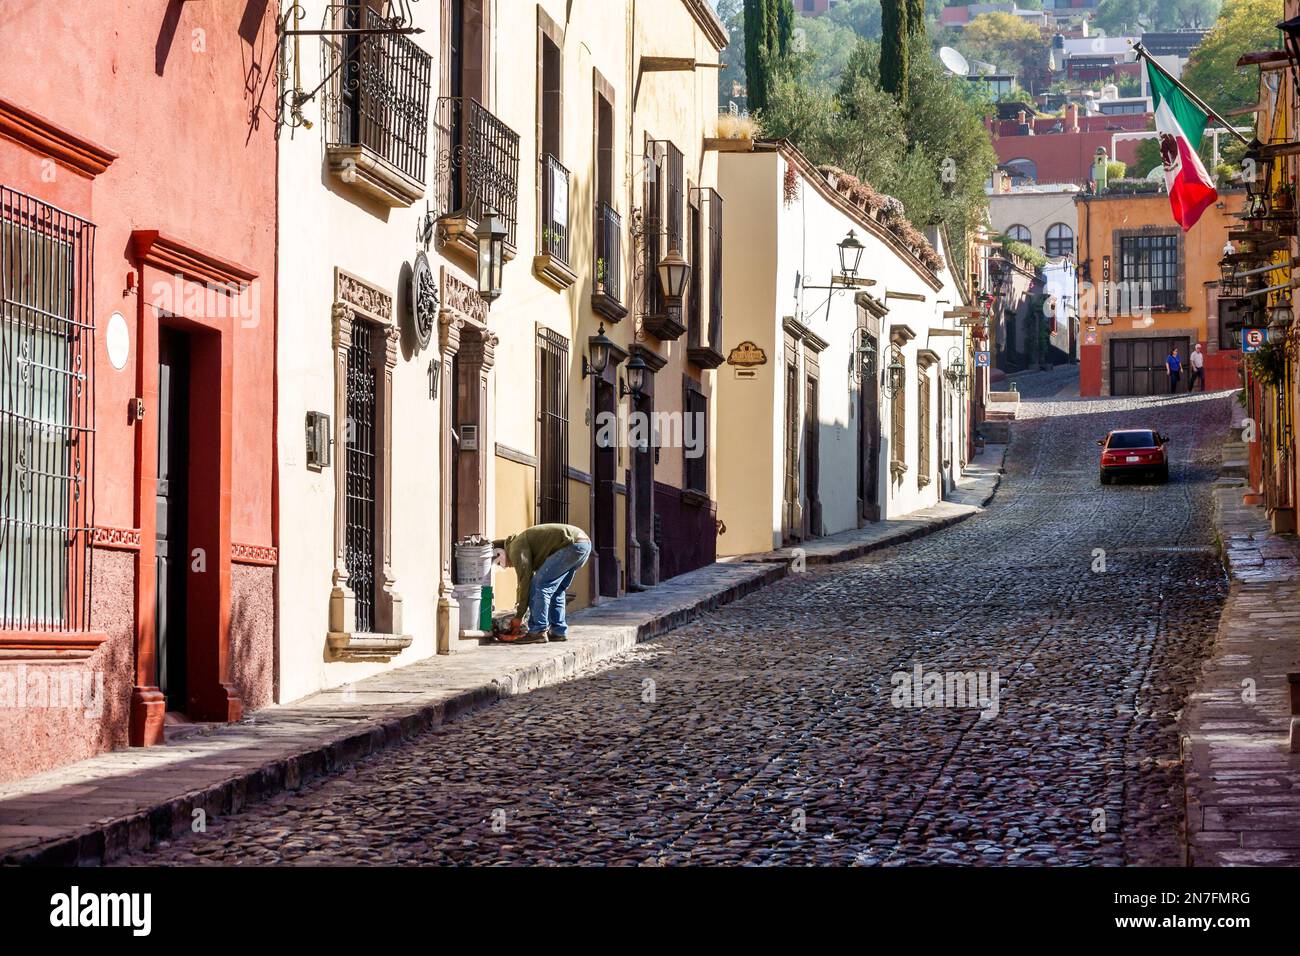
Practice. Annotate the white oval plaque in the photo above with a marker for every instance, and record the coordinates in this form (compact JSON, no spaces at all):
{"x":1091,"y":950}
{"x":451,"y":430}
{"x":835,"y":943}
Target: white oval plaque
{"x":118,"y":339}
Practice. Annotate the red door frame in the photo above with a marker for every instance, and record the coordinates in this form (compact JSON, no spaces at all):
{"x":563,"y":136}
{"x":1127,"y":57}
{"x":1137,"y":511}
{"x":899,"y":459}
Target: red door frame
{"x":189,"y":275}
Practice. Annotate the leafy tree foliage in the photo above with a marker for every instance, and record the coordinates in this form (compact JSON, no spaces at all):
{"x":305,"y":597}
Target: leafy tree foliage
{"x":1243,"y":26}
{"x":1131,"y":17}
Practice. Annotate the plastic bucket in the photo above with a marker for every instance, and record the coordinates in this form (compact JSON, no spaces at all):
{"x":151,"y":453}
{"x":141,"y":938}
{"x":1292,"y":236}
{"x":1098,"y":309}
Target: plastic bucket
{"x":474,"y":564}
{"x":470,"y":599}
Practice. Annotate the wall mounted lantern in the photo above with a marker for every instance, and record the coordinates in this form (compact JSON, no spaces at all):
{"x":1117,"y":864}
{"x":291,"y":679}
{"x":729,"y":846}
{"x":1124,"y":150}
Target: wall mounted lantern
{"x":895,"y":372}
{"x":1282,"y":315}
{"x":1291,"y":30}
{"x":1256,"y":169}
{"x":850,"y":255}
{"x":862,"y":364}
{"x":956,"y":371}
{"x":599,"y":348}
{"x":674,"y":273}
{"x":636,"y":369}
{"x":491,"y":236}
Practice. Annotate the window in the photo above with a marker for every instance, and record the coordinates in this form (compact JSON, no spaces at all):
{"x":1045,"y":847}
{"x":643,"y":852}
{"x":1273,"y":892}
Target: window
{"x":46,"y":415}
{"x":362,"y":474}
{"x":715,"y":271}
{"x":696,"y":406}
{"x":1151,"y":261}
{"x":1018,"y":233}
{"x":553,"y":221}
{"x":1230,"y":322}
{"x":923,"y":473}
{"x":1134,"y":439}
{"x":1022,"y":169}
{"x":382,"y":91}
{"x":552,"y":427}
{"x":898,"y":431}
{"x":694,"y":254}
{"x":608,"y":245}
{"x":653,"y":225}
{"x":1060,"y":240}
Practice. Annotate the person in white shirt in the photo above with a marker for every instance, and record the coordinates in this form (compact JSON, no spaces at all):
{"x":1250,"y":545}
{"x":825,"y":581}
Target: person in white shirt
{"x":1197,"y":361}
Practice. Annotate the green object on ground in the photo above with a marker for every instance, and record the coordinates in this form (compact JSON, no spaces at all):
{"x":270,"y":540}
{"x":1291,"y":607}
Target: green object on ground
{"x":485,"y":610}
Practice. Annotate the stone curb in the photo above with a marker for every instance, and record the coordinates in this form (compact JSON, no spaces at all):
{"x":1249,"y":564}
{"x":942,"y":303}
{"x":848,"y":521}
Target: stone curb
{"x":100,"y":844}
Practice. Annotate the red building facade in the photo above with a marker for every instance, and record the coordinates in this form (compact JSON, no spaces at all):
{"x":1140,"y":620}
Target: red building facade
{"x":137,"y":268}
{"x":1062,"y":149}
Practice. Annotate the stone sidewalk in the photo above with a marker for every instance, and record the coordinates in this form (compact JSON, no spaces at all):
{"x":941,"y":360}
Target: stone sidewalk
{"x":1243,"y":784}
{"x":94,"y":811}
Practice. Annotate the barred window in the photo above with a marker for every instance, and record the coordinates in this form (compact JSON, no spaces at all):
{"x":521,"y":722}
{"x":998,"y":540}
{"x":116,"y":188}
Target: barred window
{"x":46,"y":415}
{"x":696,"y":405}
{"x":552,"y":427}
{"x":1152,"y":260}
{"x":923,"y":474}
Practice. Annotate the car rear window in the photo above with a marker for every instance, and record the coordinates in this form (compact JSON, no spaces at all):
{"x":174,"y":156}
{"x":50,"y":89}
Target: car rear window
{"x":1132,"y":440}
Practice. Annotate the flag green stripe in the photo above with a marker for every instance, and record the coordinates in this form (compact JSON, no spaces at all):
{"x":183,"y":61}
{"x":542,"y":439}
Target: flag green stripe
{"x":1189,"y":116}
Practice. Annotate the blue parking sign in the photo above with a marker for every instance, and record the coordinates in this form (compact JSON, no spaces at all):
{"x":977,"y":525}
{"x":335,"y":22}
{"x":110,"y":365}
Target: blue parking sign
{"x":982,"y":359}
{"x":1252,"y":340}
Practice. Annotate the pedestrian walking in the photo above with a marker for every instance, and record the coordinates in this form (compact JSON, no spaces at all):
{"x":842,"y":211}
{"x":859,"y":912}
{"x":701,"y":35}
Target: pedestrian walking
{"x":1197,"y":362}
{"x":545,"y":559}
{"x":1174,"y":365}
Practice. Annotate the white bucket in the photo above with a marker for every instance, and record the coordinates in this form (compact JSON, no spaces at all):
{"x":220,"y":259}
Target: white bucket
{"x":470,"y":599}
{"x":474,"y":564}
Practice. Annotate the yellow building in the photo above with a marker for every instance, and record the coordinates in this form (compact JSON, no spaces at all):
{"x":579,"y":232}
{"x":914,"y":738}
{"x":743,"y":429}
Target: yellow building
{"x":607,"y":108}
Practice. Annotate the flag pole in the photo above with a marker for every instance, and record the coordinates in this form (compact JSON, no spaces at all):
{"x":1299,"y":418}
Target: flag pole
{"x":1142,"y":52}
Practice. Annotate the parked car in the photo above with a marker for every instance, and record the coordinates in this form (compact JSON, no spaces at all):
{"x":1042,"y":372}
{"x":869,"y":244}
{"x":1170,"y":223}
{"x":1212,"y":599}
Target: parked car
{"x":1134,"y":451}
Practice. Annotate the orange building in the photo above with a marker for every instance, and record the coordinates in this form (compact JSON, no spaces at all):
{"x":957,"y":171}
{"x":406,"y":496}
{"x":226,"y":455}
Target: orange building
{"x":1146,"y":287}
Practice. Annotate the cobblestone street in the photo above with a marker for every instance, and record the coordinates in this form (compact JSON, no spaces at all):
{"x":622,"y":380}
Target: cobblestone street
{"x":764,"y":732}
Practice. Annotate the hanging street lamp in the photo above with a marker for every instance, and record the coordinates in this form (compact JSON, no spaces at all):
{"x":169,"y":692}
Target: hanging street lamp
{"x":850,"y":255}
{"x":674,"y":273}
{"x":636,"y":369}
{"x":599,"y":348}
{"x":491,"y":236}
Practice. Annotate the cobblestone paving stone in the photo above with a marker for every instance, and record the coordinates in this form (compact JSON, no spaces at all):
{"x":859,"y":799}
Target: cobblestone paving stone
{"x":770,"y":737}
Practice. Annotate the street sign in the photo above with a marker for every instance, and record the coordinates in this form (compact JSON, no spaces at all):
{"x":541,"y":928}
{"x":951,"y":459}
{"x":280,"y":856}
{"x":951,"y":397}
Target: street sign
{"x":1090,"y":337}
{"x":1252,"y":340}
{"x":982,"y":359}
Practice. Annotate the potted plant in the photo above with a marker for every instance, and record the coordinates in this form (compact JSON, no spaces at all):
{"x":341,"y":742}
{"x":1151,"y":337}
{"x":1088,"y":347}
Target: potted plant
{"x":600,"y":276}
{"x":1285,"y":198}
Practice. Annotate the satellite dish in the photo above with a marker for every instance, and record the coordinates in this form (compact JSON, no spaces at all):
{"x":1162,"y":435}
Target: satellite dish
{"x":953,"y":61}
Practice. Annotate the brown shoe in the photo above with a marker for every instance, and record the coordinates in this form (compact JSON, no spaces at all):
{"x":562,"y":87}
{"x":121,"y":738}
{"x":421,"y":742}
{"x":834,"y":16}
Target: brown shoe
{"x":532,"y":637}
{"x":552,"y":636}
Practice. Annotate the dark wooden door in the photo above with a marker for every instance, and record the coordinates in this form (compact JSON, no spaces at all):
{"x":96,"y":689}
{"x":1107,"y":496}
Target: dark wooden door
{"x":869,"y":437}
{"x":1137,"y":366}
{"x":605,"y":478}
{"x":812,"y":458}
{"x":172,"y":514}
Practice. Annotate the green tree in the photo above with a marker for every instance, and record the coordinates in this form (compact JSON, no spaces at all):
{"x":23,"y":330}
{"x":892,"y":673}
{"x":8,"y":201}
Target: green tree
{"x":826,"y":48}
{"x":1243,"y":26}
{"x":769,"y":30}
{"x":915,"y":18}
{"x":860,"y":16}
{"x":893,"y":48}
{"x":731,"y":78}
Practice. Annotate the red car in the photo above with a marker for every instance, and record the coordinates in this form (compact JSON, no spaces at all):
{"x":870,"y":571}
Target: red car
{"x":1134,"y":451}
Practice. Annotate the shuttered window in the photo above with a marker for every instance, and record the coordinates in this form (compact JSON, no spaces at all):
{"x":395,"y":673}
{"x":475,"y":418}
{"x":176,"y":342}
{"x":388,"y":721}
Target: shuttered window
{"x":552,"y":427}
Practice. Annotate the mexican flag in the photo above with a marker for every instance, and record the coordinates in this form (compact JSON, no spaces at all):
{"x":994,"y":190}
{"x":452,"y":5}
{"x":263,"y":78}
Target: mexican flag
{"x":1180,"y":123}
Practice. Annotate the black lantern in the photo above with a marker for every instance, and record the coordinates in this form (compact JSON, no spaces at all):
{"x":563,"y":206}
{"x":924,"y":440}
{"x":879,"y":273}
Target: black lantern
{"x":1227,"y":272}
{"x":864,"y":357}
{"x":850,"y":255}
{"x":636,"y":369}
{"x":895,"y":372}
{"x":1255,"y":173}
{"x":491,"y":236}
{"x":674,"y":273}
{"x":598,"y":347}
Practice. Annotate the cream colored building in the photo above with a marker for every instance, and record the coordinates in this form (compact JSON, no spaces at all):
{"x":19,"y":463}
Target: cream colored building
{"x":614,"y":102}
{"x":813,"y":438}
{"x":411,"y":413}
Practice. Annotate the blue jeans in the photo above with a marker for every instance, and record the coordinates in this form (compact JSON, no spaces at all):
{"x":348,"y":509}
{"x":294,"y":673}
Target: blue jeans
{"x":550,"y":581}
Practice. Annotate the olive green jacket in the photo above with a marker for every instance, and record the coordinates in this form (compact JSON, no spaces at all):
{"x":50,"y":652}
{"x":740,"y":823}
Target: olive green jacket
{"x":528,"y":550}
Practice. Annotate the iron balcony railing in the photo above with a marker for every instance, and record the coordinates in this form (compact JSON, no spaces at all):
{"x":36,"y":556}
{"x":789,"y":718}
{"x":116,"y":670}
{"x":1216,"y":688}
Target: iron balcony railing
{"x":609,"y":247}
{"x":554,"y":217}
{"x":380,"y":93}
{"x":477,"y":163}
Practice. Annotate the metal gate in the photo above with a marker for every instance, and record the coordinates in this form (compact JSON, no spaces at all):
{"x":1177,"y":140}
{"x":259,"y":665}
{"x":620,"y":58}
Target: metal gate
{"x":360,"y":542}
{"x":1137,"y":366}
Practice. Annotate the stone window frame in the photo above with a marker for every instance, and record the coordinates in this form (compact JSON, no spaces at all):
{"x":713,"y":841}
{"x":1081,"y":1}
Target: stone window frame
{"x":1152,"y":231}
{"x":356,"y":300}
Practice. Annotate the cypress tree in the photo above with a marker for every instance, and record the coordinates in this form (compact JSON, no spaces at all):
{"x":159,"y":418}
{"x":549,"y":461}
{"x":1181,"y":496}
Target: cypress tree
{"x":893,"y":48}
{"x":915,"y":18}
{"x":769,"y":29}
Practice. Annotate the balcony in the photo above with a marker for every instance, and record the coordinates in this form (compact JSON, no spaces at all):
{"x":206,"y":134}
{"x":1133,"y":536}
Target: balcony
{"x":551,"y":264}
{"x":477,"y":165}
{"x":607,"y":269}
{"x":377,"y":111}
